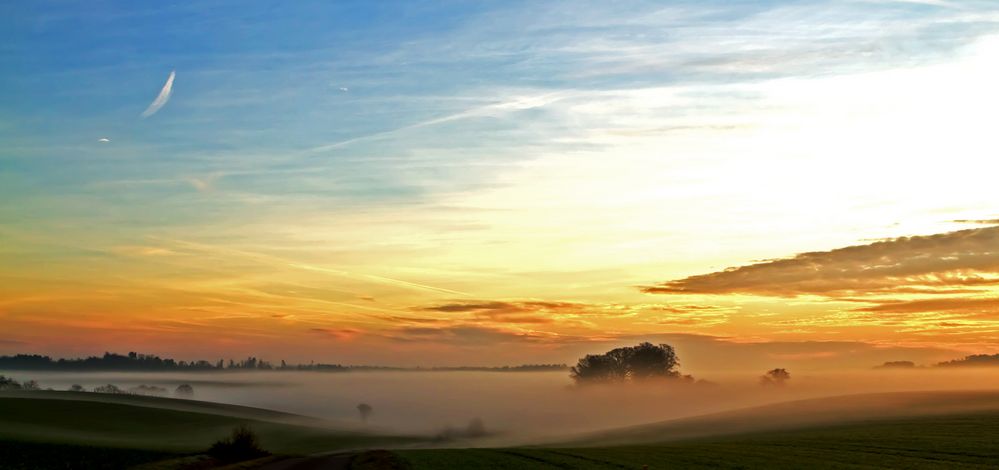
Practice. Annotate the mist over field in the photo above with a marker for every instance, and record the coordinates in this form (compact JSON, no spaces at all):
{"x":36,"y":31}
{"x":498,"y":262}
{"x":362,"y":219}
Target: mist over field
{"x":528,"y":406}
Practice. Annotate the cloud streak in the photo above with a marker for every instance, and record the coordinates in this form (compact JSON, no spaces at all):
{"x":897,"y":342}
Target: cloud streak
{"x":965,"y":260}
{"x":162,"y":98}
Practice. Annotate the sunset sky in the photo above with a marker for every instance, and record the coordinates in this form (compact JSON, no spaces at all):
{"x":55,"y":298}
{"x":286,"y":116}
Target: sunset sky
{"x":443,"y":183}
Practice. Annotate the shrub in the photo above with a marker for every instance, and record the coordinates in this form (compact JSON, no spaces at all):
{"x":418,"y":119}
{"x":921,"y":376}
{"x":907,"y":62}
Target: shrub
{"x":148,"y":390}
{"x":9,"y":384}
{"x":775,"y":377}
{"x":243,"y":444}
{"x":109,"y":388}
{"x":184,"y":390}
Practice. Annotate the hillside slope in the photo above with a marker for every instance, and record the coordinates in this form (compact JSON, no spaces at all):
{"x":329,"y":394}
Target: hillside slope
{"x":964,"y":441}
{"x":162,"y":424}
{"x":798,"y":414}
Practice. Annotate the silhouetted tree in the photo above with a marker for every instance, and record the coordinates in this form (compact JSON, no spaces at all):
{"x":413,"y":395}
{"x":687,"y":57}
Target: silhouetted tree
{"x":973,"y":360}
{"x":30,"y":385}
{"x":133,"y":361}
{"x":644,"y":361}
{"x":77,"y":388}
{"x":109,"y":388}
{"x":775,"y":377}
{"x":7,"y":383}
{"x":365,"y":410}
{"x":242,"y":444}
{"x":597,"y":368}
{"x":184,"y":390}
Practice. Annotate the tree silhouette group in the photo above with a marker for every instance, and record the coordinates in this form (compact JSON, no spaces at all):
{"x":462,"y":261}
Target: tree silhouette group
{"x":627,"y":364}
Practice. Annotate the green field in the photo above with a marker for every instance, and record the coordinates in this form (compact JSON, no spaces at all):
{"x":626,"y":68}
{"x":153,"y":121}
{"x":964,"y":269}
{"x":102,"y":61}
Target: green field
{"x":955,"y":441}
{"x":159,"y":424}
{"x":49,"y":430}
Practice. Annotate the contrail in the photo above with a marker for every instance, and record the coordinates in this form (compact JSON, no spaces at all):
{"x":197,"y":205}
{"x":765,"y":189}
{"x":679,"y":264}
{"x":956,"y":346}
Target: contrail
{"x":268,"y":259}
{"x":517,"y":104}
{"x":162,"y":98}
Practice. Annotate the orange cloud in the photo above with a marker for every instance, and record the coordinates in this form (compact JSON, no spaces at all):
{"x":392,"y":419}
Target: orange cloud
{"x":467,"y":335}
{"x":497,"y":307}
{"x":961,"y":261}
{"x":979,"y":305}
{"x":525,"y":312}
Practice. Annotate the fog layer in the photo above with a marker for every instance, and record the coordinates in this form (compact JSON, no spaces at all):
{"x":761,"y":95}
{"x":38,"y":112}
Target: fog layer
{"x":529,"y":405}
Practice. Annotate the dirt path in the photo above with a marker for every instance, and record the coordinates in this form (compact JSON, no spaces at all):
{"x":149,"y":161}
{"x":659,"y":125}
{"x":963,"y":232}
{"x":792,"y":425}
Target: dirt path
{"x":339,"y":461}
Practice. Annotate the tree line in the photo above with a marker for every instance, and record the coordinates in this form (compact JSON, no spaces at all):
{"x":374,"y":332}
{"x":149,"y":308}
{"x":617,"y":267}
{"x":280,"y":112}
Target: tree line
{"x":148,"y":362}
{"x":183,"y":390}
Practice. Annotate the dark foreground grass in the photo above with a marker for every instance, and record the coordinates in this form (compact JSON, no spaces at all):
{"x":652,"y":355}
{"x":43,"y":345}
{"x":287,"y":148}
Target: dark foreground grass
{"x":124,"y":425}
{"x":964,"y":441}
{"x":16,"y":455}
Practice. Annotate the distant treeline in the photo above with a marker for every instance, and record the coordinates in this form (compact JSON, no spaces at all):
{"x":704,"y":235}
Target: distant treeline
{"x":148,"y":362}
{"x":973,"y":360}
{"x":967,"y":361}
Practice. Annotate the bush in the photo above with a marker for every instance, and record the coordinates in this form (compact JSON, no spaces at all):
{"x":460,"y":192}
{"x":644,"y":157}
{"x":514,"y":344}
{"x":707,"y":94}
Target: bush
{"x":775,"y":377}
{"x":184,"y":390}
{"x":148,"y":390}
{"x":9,"y":384}
{"x":243,"y":444}
{"x":109,"y":388}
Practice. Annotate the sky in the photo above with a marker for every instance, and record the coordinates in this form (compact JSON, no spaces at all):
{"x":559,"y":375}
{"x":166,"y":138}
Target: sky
{"x":444,"y":183}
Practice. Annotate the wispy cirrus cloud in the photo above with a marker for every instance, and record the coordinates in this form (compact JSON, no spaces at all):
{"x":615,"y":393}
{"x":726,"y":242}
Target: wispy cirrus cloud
{"x":162,"y":98}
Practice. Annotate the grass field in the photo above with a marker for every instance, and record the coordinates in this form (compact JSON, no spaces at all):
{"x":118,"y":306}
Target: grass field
{"x":177,"y":426}
{"x":43,"y":430}
{"x":954,"y":441}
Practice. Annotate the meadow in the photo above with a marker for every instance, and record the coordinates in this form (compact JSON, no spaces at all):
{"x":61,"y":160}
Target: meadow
{"x":950,"y":441}
{"x":44,"y":429}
